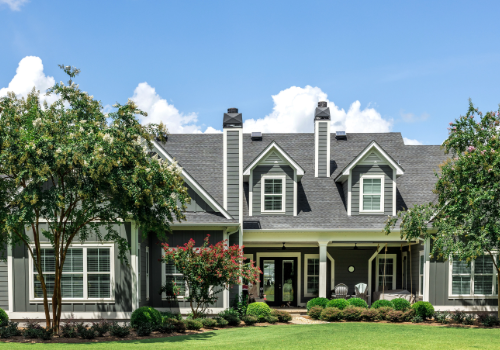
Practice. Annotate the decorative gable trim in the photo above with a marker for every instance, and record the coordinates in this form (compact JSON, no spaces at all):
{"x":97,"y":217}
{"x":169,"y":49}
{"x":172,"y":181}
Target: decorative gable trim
{"x":195,"y":185}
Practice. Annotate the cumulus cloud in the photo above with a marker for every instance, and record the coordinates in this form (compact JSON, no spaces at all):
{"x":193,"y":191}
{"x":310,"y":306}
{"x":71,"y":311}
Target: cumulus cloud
{"x":411,"y":141}
{"x":412,"y":118}
{"x":294,"y":107}
{"x":30,"y":74}
{"x":211,"y":130}
{"x":15,"y":5}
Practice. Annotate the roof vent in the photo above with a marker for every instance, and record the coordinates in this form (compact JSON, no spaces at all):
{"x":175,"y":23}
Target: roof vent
{"x":340,"y":135}
{"x":256,"y":136}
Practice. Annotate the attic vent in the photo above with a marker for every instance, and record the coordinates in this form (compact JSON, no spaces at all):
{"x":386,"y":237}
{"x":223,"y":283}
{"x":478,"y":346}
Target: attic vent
{"x":340,"y":135}
{"x":256,"y":136}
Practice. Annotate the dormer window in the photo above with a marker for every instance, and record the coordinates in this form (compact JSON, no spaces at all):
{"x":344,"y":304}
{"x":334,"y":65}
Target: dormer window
{"x":273,"y":194}
{"x":372,"y":194}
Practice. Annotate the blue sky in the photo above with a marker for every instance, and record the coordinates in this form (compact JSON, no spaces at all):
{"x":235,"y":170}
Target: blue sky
{"x":382,"y":65}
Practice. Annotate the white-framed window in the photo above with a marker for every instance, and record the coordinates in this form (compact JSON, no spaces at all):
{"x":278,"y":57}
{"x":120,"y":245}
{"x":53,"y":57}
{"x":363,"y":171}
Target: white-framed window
{"x":386,"y":272}
{"x":170,"y":273}
{"x":88,"y":273}
{"x":311,"y":279}
{"x":421,"y":269}
{"x":477,"y":279}
{"x":273,"y":191}
{"x":147,"y":273}
{"x":371,"y":194}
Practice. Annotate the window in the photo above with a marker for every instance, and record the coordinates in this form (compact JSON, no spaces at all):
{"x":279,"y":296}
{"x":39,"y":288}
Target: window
{"x":273,"y":194}
{"x":421,"y":266}
{"x":312,"y":275}
{"x":479,"y":278}
{"x":171,"y":274}
{"x":372,"y":194}
{"x":87,"y":273}
{"x":386,"y":272}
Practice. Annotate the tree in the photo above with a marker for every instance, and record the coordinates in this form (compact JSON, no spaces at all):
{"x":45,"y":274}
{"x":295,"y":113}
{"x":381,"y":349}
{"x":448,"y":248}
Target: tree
{"x":465,"y":219}
{"x":208,"y":270}
{"x":78,"y":169}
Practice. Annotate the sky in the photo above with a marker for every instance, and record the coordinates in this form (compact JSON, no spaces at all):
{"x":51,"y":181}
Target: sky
{"x":402,"y":66}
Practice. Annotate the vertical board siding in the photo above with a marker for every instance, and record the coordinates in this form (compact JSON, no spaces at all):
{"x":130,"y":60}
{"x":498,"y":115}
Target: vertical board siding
{"x":262,"y":170}
{"x":356,"y":183}
{"x":322,"y":149}
{"x":233,"y":172}
{"x":197,"y":204}
{"x":143,"y":279}
{"x":4,"y":283}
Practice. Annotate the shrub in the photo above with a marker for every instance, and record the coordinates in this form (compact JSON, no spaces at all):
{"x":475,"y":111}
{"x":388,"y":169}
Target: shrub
{"x":32,"y":329}
{"x":221,"y":322}
{"x":250,"y":320}
{"x":45,"y":333}
{"x":193,"y":325}
{"x":5,"y":333}
{"x":282,"y":316}
{"x":145,"y":314}
{"x":340,"y":304}
{"x":101,"y":327}
{"x":458,"y":316}
{"x":178,"y":325}
{"x":271,"y":319}
{"x":401,"y":304}
{"x":4,"y":319}
{"x":13,"y":329}
{"x":395,"y":316}
{"x":144,"y":329}
{"x":209,"y":322}
{"x":331,"y":314}
{"x":417,"y":319}
{"x":80,"y":328}
{"x":259,"y":309}
{"x":358,"y":302}
{"x":231,"y":316}
{"x":383,"y":311}
{"x":423,"y":309}
{"x":317,"y":302}
{"x":488,"y":320}
{"x":382,"y":303}
{"x":240,"y":304}
{"x":87,"y":333}
{"x":119,"y":331}
{"x":352,"y":313}
{"x":370,"y":315}
{"x":68,"y":330}
{"x":167,"y":315}
{"x":469,"y":320}
{"x":166,"y":327}
{"x":408,"y":315}
{"x":442,"y":317}
{"x":315,"y":312}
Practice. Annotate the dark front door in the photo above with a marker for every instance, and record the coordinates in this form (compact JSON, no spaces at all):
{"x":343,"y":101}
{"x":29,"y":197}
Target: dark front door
{"x":279,"y":281}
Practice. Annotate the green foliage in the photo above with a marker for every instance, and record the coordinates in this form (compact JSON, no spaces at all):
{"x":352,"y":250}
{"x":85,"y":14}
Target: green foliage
{"x":87,"y":333}
{"x":488,"y":320}
{"x":271,"y":319}
{"x":250,"y":320}
{"x":221,"y":322}
{"x":401,"y":304}
{"x":240,"y":304}
{"x":316,"y":302}
{"x":145,"y":329}
{"x":282,"y":315}
{"x":166,"y":328}
{"x":166,"y":315}
{"x":209,"y":322}
{"x":259,"y":309}
{"x":145,"y":314}
{"x":458,"y":316}
{"x":32,"y":329}
{"x":358,"y":302}
{"x":353,"y":313}
{"x":408,"y":315}
{"x":101,"y":327}
{"x":469,"y":320}
{"x":382,"y":303}
{"x":340,"y":304}
{"x":4,"y":319}
{"x":383,"y":311}
{"x":45,"y":333}
{"x":442,"y":317}
{"x":423,"y":309}
{"x":119,"y":331}
{"x":370,"y":315}
{"x":315,"y":312}
{"x":395,"y":316}
{"x":13,"y":329}
{"x":417,"y":319}
{"x":177,"y":324}
{"x":231,"y":316}
{"x":331,"y":314}
{"x":193,"y":325}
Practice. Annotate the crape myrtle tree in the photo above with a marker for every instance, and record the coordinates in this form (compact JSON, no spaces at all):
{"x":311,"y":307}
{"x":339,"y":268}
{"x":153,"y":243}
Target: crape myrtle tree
{"x":464,"y":222}
{"x":79,"y":171}
{"x":207,"y":270}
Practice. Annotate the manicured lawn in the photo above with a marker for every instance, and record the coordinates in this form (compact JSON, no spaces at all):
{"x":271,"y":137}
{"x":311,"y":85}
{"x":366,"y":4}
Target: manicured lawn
{"x":318,"y":336}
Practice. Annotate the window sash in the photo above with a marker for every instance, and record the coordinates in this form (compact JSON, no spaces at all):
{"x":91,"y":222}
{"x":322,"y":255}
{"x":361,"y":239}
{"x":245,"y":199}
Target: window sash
{"x":312,"y":276}
{"x":478,"y":279}
{"x":273,"y":202}
{"x":273,"y":186}
{"x":371,"y":193}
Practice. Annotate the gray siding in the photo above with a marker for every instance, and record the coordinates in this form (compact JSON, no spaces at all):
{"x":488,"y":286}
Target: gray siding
{"x":345,"y":258}
{"x":262,"y":170}
{"x":322,"y":149}
{"x":123,"y":285}
{"x":197,"y":204}
{"x":4,"y":283}
{"x":233,"y":173}
{"x":372,"y":170}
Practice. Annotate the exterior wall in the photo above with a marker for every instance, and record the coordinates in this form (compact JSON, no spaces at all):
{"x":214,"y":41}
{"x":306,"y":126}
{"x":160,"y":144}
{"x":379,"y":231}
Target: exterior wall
{"x":345,"y":258}
{"x":262,"y":170}
{"x":233,"y":290}
{"x":4,"y":283}
{"x":197,"y":203}
{"x":123,"y":285}
{"x":144,"y":242}
{"x":233,"y":172}
{"x":322,"y":148}
{"x":356,"y":182}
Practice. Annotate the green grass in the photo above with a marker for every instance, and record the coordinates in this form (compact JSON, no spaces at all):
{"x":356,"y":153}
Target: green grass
{"x":317,"y":336}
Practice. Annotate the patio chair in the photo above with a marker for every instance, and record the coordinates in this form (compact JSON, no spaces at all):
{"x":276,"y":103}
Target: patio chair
{"x":360,"y":291}
{"x":341,"y":291}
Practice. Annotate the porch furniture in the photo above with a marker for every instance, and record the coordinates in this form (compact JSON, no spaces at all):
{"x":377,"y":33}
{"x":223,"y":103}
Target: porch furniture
{"x":341,"y":291}
{"x":360,"y":291}
{"x":393,"y":294}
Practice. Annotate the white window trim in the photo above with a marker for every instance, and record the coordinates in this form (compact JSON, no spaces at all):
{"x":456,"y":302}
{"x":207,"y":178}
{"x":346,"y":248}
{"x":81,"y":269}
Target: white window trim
{"x":389,"y":256}
{"x":139,"y":270}
{"x":421,"y":274}
{"x":283,"y":194}
{"x":147,"y":273}
{"x":472,"y":295}
{"x":164,"y":279}
{"x":306,"y":275}
{"x":367,"y":176}
{"x":85,"y":246}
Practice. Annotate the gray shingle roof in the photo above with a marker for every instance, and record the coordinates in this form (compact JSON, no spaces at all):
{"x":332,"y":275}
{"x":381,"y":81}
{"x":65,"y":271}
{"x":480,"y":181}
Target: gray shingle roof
{"x":321,"y":203}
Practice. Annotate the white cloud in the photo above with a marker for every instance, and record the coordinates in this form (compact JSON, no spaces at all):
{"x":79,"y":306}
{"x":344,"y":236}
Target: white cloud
{"x":412,"y":118}
{"x":411,"y":141}
{"x":211,"y":130}
{"x":30,"y":74}
{"x":294,"y":107}
{"x":15,"y":5}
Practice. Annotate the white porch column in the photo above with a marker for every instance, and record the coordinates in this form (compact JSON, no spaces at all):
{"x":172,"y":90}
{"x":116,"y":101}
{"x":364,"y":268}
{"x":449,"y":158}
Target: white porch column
{"x":322,"y":269}
{"x":427,"y":266}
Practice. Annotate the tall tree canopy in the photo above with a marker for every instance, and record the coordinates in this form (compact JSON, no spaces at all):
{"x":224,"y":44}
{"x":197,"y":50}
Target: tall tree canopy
{"x":78,"y":169}
{"x":465,"y":219}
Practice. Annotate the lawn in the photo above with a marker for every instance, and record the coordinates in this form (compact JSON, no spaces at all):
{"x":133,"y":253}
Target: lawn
{"x":317,"y":336}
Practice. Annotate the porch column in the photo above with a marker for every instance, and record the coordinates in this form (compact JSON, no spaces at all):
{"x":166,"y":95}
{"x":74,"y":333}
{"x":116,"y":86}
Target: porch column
{"x":322,"y":269}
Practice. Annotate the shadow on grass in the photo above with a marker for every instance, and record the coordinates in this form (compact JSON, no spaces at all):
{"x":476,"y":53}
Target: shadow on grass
{"x":173,"y":339}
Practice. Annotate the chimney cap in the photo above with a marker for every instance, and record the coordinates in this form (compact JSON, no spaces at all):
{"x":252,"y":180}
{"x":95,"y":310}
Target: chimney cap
{"x":322,"y":104}
{"x":232,"y":119}
{"x":232,"y":110}
{"x":322,"y":112}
